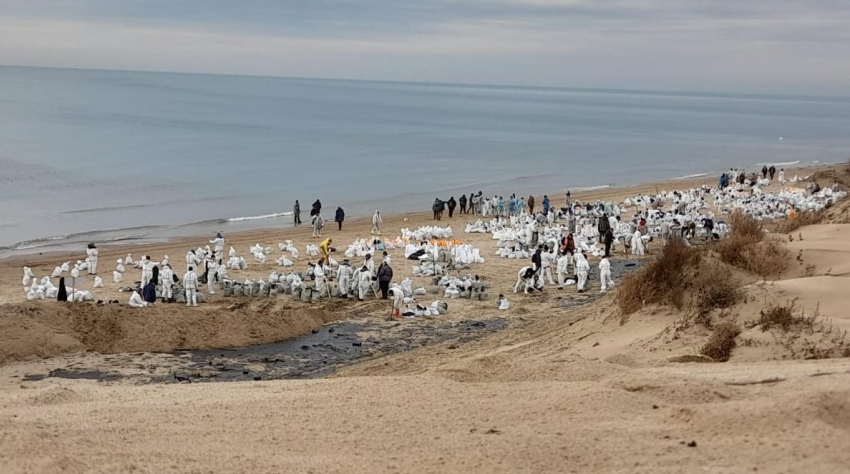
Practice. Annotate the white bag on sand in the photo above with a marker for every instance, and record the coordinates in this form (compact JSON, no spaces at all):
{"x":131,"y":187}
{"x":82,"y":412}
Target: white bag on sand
{"x":98,"y":282}
{"x":420,"y":291}
{"x":75,"y":273}
{"x":120,"y":266}
{"x":232,"y":252}
{"x":117,"y":277}
{"x":57,"y":272}
{"x":129,"y":260}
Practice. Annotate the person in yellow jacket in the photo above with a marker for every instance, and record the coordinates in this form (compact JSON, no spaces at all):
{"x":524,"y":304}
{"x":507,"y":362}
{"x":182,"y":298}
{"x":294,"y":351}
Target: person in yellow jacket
{"x":325,"y":249}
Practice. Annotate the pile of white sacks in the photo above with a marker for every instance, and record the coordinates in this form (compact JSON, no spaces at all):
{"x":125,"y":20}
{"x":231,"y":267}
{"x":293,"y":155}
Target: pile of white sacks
{"x":428,"y":233}
{"x":434,"y":260}
{"x":44,"y":289}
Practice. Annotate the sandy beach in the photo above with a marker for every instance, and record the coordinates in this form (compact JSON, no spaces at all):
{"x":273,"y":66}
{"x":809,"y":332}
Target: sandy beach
{"x":562,"y":382}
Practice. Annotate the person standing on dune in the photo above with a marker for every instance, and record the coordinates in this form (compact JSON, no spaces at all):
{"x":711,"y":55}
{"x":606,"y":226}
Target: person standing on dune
{"x":451,"y":204}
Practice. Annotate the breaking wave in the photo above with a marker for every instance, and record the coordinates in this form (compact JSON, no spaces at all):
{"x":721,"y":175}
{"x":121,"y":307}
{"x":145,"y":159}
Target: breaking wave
{"x":257,"y":218}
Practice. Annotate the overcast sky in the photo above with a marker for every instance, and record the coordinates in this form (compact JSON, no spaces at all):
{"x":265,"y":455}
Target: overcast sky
{"x":776,"y":46}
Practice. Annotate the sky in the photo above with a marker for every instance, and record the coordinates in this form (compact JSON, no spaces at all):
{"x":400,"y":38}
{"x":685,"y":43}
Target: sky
{"x":753,"y":46}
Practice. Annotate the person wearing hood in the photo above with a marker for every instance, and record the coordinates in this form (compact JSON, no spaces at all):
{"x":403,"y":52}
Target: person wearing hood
{"x":211,"y":272}
{"x":167,"y":283}
{"x":563,"y":268}
{"x":377,"y":222}
{"x":386,"y":258}
{"x":436,"y":208}
{"x":62,"y":295}
{"x":190,"y":286}
{"x":545,"y":204}
{"x":548,"y":260}
{"x":325,"y":249}
{"x":317,"y":208}
{"x":605,"y":275}
{"x":91,"y":258}
{"x":385,"y":276}
{"x":318,"y":222}
{"x":319,"y":276}
{"x":343,"y":276}
{"x":475,"y":204}
{"x":339,"y":217}
{"x":296,"y":213}
{"x":764,"y":171}
{"x":136,"y":300}
{"x":782,"y":176}
{"x":364,"y":283}
{"x":369,"y":264}
{"x":638,"y":246}
{"x":771,"y":171}
{"x":218,"y":245}
{"x":452,"y":204}
{"x":530,"y":204}
{"x":582,"y":270}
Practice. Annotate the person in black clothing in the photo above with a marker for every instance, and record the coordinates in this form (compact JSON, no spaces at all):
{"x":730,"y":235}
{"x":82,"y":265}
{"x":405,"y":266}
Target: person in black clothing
{"x":609,"y":240}
{"x":764,"y":171}
{"x":340,"y":216}
{"x":772,"y":171}
{"x":462,"y":202}
{"x":436,"y":208}
{"x":317,"y":208}
{"x":296,"y":211}
{"x":537,"y":260}
{"x":385,"y":276}
{"x":452,"y":204}
{"x":603,"y":226}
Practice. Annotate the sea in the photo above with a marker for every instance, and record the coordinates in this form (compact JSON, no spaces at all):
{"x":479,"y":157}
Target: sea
{"x":113,"y":156}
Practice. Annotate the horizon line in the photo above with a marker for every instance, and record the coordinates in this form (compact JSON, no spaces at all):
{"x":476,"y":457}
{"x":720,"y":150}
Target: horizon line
{"x":624,"y":91}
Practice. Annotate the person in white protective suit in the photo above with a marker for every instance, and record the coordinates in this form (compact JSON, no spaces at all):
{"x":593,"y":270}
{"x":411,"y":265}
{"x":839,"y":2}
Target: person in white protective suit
{"x":397,"y":296}
{"x":167,"y":277}
{"x":525,"y":278}
{"x":136,"y":300}
{"x":364,"y":282}
{"x":318,"y":222}
{"x":192,"y":259}
{"x":369,"y":264}
{"x":377,"y":222}
{"x":218,"y":245}
{"x":605,"y":275}
{"x":212,"y":272}
{"x":343,"y":276}
{"x":638,"y":247}
{"x":582,"y":270}
{"x":563,"y":269}
{"x":91,"y":258}
{"x":782,"y":176}
{"x":319,"y":277}
{"x":547,"y":259}
{"x":190,"y":286}
{"x":147,"y":269}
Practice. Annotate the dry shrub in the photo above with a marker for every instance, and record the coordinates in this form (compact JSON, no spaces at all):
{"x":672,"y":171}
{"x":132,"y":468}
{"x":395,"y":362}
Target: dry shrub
{"x":803,"y":219}
{"x":722,"y":341}
{"x":782,"y":317}
{"x":745,"y":231}
{"x":661,"y":280}
{"x":745,"y":248}
{"x":745,"y":227}
{"x":765,"y":259}
{"x":715,"y":288}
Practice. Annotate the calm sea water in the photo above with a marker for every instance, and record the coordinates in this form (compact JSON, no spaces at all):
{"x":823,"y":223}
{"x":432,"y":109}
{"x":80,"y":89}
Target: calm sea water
{"x":105,"y":155}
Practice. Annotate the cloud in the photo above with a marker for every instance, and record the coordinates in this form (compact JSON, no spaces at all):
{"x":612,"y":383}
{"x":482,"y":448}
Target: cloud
{"x":710,"y":44}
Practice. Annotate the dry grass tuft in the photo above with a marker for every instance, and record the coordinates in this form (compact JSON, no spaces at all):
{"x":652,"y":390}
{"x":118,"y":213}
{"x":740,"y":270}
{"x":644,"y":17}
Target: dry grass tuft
{"x":766,"y":259}
{"x":661,"y":280}
{"x":715,"y":288}
{"x":803,"y":219}
{"x":722,"y":341}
